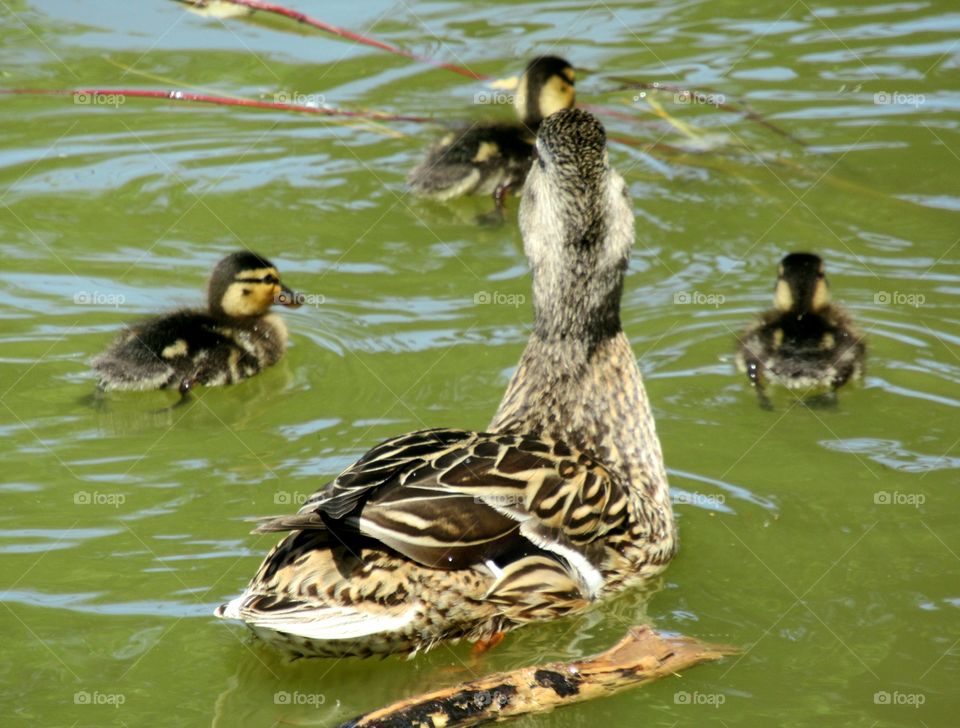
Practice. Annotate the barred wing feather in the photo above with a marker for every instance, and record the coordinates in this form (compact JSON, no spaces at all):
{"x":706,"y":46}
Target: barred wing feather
{"x":452,"y":498}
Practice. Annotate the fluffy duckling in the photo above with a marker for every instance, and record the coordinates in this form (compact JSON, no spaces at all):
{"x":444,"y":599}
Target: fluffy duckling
{"x":804,"y":342}
{"x":492,"y":157}
{"x":448,"y":534}
{"x":233,"y":339}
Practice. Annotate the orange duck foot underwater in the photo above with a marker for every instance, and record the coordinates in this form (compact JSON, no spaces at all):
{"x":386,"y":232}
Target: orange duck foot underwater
{"x":450,"y":534}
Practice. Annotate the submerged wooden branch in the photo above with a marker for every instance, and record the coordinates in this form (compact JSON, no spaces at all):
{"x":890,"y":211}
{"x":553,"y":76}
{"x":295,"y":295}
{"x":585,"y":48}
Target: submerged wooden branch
{"x":640,"y":657}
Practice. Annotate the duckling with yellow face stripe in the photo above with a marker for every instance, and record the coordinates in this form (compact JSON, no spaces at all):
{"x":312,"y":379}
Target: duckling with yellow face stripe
{"x":493,"y":157}
{"x":804,"y":342}
{"x":233,"y":339}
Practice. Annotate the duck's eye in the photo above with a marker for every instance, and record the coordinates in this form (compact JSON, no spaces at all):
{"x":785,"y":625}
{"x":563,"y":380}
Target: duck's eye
{"x":271,"y":279}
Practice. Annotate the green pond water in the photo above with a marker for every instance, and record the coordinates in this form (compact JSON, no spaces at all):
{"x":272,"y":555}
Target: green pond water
{"x":823,"y":542}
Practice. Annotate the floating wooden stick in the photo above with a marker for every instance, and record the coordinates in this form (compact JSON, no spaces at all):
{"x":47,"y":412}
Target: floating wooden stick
{"x":640,"y":657}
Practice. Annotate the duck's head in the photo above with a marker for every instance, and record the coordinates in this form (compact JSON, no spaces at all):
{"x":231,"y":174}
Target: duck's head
{"x":545,"y":88}
{"x":801,"y":285}
{"x":578,"y":228}
{"x":246,"y":284}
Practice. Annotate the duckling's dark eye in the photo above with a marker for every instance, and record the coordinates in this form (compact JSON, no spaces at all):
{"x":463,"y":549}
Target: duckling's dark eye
{"x":270,"y":278}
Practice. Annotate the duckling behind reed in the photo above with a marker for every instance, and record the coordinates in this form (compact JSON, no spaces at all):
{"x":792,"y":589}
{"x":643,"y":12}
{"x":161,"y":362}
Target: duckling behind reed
{"x":493,"y":157}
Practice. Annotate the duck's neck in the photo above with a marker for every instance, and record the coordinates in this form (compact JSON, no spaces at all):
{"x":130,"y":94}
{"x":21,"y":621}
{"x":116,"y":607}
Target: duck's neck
{"x":588,"y":392}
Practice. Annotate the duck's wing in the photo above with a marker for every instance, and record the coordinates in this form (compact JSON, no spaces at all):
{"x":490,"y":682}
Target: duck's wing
{"x":452,"y":499}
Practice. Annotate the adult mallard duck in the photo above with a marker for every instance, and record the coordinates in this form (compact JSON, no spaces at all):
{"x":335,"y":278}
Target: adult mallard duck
{"x":447,"y":534}
{"x":233,"y":339}
{"x":494,"y":157}
{"x":804,"y":342}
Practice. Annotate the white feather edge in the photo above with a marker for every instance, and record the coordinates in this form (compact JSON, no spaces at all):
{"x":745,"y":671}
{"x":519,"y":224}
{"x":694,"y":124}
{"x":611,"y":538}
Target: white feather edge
{"x":324,"y":623}
{"x":590,"y":575}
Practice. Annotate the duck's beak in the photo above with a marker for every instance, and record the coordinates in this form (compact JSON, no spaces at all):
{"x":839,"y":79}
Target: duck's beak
{"x":288,"y":298}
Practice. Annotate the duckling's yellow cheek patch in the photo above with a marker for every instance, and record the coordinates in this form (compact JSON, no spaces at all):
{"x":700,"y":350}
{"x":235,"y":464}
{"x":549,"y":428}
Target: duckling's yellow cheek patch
{"x":783,"y":296}
{"x":827,"y":342}
{"x":239,"y":300}
{"x":250,"y":298}
{"x":177,"y":348}
{"x":821,"y":295}
{"x":556,"y":95}
{"x":777,"y":338}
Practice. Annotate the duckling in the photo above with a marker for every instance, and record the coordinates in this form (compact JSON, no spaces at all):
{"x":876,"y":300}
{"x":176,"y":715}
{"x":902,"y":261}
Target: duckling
{"x":493,"y":157}
{"x":451,"y":534}
{"x":804,"y":342}
{"x":233,"y":339}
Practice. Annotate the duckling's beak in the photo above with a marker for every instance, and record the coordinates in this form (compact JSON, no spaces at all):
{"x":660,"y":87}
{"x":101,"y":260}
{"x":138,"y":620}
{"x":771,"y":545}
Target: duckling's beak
{"x":288,"y":298}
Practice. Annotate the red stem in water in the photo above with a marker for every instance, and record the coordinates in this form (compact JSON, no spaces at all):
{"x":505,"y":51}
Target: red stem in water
{"x":350,"y":35}
{"x":94,"y":95}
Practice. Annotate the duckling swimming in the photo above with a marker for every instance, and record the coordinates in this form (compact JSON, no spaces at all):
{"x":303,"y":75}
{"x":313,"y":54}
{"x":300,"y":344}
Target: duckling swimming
{"x":233,"y":339}
{"x":448,"y":534}
{"x":804,"y":342}
{"x":494,"y":157}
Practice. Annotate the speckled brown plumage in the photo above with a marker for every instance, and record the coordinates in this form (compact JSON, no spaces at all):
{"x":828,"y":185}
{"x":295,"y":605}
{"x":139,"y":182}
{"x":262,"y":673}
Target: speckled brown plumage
{"x":447,"y":534}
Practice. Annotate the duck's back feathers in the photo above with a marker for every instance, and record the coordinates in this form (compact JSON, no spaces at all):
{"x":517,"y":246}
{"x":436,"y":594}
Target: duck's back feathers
{"x":474,"y":160}
{"x":433,"y":535}
{"x":190,"y":345}
{"x":452,"y":499}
